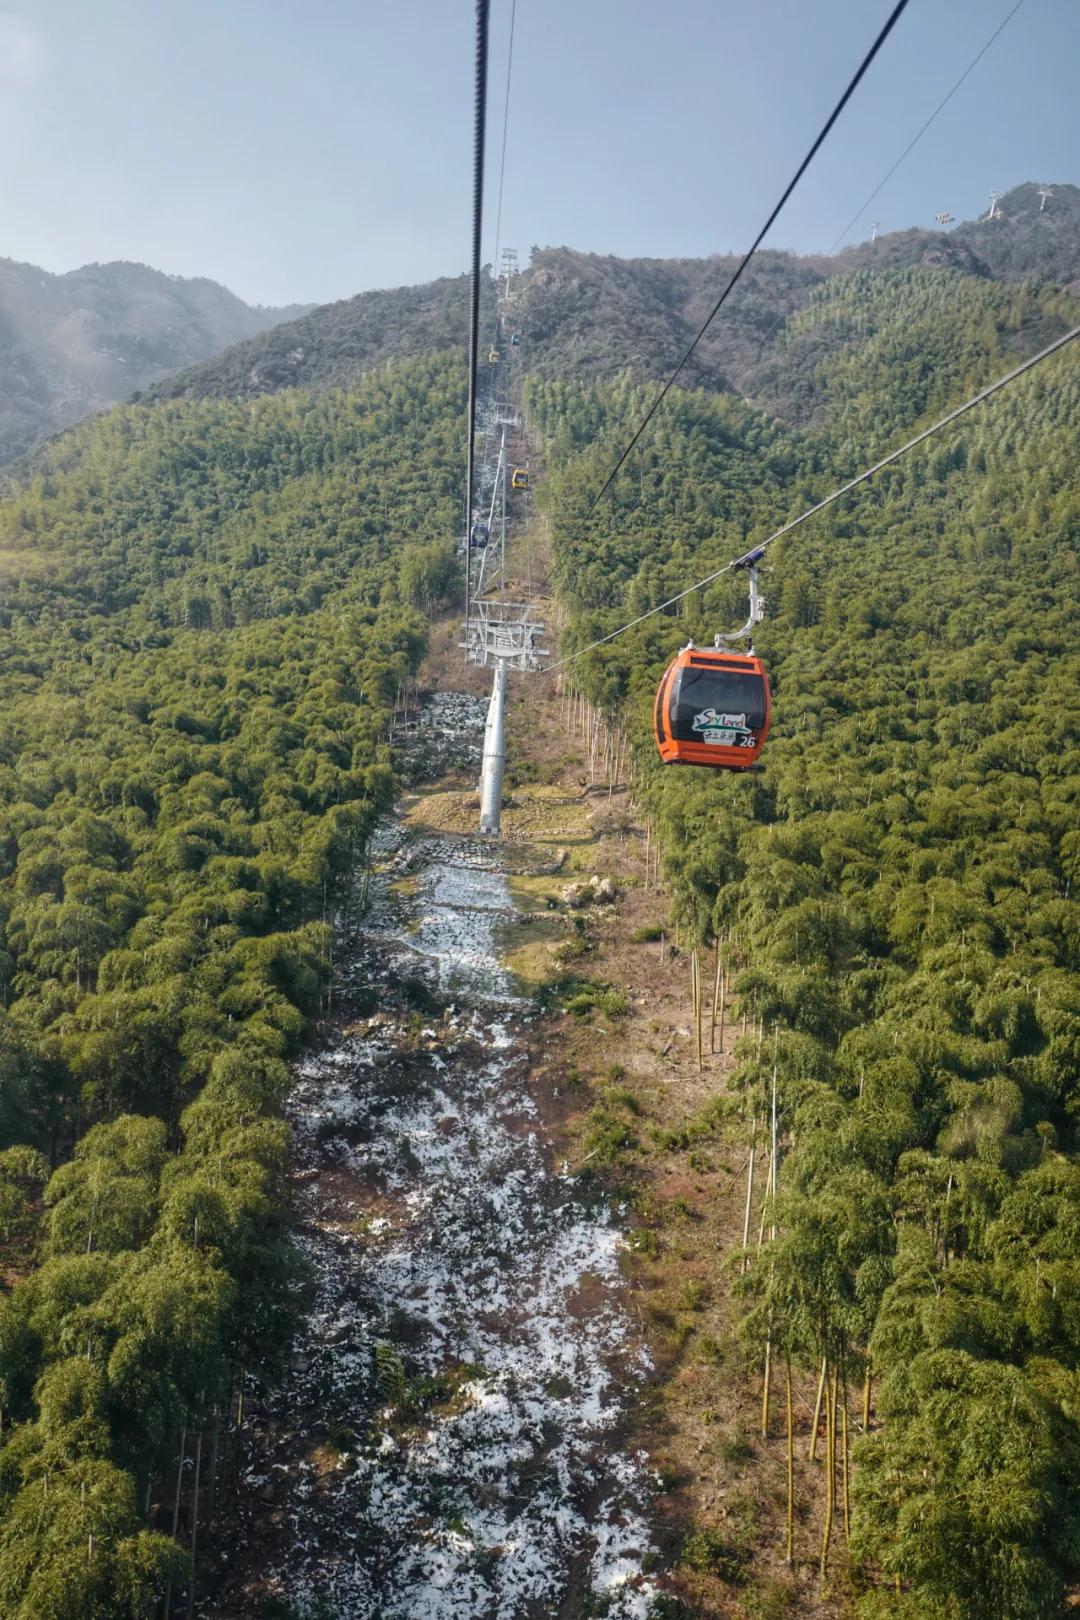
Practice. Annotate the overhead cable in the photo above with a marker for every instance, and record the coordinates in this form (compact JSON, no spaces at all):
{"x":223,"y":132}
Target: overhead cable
{"x":479,"y":134}
{"x":908,"y":149}
{"x":942,"y":104}
{"x":886,"y":461}
{"x":506,"y":126}
{"x":891,"y":22}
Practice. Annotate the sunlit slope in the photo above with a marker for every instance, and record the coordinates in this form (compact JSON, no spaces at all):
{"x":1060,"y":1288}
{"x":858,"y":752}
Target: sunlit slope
{"x":895,"y":888}
{"x":213,"y":513}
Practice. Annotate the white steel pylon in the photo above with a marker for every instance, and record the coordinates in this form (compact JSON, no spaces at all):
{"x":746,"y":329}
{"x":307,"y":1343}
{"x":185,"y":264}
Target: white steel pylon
{"x":494,"y":760}
{"x":506,"y":636}
{"x":508,"y":269}
{"x":498,"y":632}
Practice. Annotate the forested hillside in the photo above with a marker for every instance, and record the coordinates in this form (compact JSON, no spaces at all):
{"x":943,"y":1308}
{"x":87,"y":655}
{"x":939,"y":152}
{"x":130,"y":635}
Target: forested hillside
{"x":207,"y":612}
{"x":893,"y":893}
{"x":74,"y":343}
{"x":209,"y":600}
{"x":337,"y":345}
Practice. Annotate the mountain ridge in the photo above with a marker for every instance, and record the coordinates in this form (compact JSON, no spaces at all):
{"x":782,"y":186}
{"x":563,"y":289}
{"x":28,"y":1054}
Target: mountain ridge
{"x":76,"y":341}
{"x":589,"y":316}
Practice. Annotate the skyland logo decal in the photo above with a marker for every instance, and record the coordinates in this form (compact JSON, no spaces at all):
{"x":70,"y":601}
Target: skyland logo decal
{"x":725,"y":730}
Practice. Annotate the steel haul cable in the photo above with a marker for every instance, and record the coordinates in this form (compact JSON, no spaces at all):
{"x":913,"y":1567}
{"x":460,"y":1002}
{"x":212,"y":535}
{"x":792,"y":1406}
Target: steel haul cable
{"x":829,"y":500}
{"x":890,"y":23}
{"x":736,"y":274}
{"x":942,"y":104}
{"x":506,"y":127}
{"x":736,"y":385}
{"x":479,"y":136}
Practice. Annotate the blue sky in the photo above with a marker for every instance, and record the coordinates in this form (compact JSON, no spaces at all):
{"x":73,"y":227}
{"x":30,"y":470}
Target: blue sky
{"x":309,"y":151}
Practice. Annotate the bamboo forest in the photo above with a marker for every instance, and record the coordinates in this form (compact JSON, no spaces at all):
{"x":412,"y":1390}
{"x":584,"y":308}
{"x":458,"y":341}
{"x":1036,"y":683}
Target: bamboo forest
{"x":619,"y":1189}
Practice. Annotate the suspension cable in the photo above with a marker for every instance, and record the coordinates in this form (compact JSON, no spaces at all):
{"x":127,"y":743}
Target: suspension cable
{"x":736,"y":274}
{"x":506,"y":126}
{"x":479,"y":134}
{"x":942,"y":104}
{"x":886,"y":461}
{"x":736,"y":385}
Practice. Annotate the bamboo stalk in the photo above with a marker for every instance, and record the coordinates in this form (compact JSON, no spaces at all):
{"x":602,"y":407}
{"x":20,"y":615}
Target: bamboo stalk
{"x":765,"y":1204}
{"x":715,"y":1001}
{"x":766,"y":1387}
{"x":697,"y":1006}
{"x":830,"y":1470}
{"x":866,"y":1397}
{"x":167,"y":1607}
{"x":790,"y":1553}
{"x":214,"y":1470}
{"x":844,"y":1465}
{"x":812,"y":1453}
{"x":749,"y":1193}
{"x":775,"y":1162}
{"x":194,"y":1525}
{"x":723,"y":1005}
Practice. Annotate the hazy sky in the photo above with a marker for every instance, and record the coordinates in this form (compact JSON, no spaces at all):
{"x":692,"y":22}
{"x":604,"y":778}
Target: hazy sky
{"x":307,"y":151}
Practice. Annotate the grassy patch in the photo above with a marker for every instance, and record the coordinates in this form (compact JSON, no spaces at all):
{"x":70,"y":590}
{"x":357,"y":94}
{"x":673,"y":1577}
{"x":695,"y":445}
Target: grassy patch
{"x":647,"y":935}
{"x":620,"y":1097}
{"x":607,"y":1139}
{"x":558,"y":994}
{"x":698,"y":1128}
{"x":591,"y":998}
{"x":695,"y":1295}
{"x":712,"y":1552}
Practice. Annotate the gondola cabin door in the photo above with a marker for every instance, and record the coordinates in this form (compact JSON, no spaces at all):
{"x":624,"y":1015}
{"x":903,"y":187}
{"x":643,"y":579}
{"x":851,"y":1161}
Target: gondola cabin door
{"x":713,"y":708}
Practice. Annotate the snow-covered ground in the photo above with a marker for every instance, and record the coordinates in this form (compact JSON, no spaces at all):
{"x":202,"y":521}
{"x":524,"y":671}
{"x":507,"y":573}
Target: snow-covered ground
{"x":470,"y":1345}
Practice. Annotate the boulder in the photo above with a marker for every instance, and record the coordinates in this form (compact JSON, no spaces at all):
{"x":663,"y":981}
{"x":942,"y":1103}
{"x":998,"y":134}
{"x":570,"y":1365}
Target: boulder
{"x":576,"y":895}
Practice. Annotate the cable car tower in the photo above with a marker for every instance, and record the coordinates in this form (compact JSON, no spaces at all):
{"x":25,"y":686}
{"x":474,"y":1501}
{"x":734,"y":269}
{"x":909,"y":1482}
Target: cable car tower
{"x":500,"y":632}
{"x":1043,"y":193}
{"x":995,"y":212}
{"x":507,"y":272}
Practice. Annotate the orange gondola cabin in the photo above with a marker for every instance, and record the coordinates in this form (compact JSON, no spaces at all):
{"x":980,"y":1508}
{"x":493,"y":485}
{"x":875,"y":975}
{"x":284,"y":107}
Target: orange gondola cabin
{"x":713,"y":708}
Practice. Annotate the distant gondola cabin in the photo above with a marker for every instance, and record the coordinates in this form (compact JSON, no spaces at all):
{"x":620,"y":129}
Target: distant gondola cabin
{"x":520,"y":480}
{"x":713,"y":708}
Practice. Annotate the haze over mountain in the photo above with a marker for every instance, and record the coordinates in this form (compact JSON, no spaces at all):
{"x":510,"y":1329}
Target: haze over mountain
{"x":74,"y":343}
{"x":590,"y":316}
